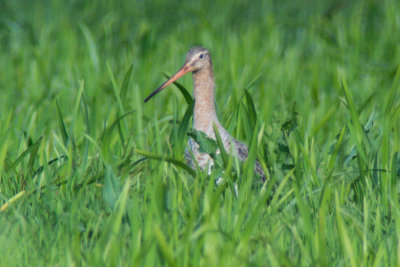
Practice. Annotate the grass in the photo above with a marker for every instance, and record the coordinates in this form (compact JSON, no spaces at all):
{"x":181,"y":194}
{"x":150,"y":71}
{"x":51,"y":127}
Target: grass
{"x":90,"y":175}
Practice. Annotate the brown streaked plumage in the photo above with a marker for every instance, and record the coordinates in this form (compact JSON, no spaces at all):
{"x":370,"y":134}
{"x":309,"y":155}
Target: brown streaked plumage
{"x":198,"y":61}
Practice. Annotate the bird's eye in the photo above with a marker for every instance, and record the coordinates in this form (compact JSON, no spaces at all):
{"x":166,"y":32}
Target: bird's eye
{"x":201,"y":56}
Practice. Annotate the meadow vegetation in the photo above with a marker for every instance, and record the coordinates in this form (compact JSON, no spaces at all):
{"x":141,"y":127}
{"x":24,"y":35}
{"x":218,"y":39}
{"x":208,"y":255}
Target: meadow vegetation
{"x":92,"y":176}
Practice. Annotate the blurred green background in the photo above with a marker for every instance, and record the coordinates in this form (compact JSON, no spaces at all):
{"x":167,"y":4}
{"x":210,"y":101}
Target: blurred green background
{"x":290,"y":49}
{"x":74,"y":211}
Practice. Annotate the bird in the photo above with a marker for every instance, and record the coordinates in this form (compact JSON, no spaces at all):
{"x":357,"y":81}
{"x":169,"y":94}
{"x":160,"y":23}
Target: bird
{"x":199,"y":62}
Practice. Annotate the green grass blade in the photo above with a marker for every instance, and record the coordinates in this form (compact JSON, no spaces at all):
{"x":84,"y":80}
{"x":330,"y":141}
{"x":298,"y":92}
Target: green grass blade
{"x":125,"y":83}
{"x":25,"y":153}
{"x":79,"y":97}
{"x":3,"y":154}
{"x":86,"y":113}
{"x":347,"y":246}
{"x":115,"y":88}
{"x":331,"y":165}
{"x":335,"y":152}
{"x":91,"y":46}
{"x":251,"y":110}
{"x":111,"y":189}
{"x":305,"y":215}
{"x":163,"y":245}
{"x":392,"y":94}
{"x":176,"y":162}
{"x":87,"y":124}
{"x":108,"y":238}
{"x":61,"y":125}
{"x":183,"y":127}
{"x":355,"y":127}
{"x":220,"y":144}
{"x":33,"y":154}
{"x":182,"y":89}
{"x":248,"y":167}
{"x":109,"y":130}
{"x":107,"y":134}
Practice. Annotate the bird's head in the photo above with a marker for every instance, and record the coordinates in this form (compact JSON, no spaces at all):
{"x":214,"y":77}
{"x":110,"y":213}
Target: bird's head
{"x":197,"y":58}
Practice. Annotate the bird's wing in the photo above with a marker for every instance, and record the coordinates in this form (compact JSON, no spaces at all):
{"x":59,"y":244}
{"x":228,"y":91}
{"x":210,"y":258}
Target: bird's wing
{"x":241,"y":149}
{"x":242,"y":152}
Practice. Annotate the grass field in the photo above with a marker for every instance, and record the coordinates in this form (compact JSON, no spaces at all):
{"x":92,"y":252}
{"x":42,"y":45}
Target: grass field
{"x":89,"y":174}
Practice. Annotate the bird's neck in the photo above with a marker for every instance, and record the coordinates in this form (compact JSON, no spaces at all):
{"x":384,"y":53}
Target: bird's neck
{"x":204,"y":107}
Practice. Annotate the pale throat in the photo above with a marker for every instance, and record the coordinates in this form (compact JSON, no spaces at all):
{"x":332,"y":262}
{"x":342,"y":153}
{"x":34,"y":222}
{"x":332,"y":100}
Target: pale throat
{"x":204,"y":107}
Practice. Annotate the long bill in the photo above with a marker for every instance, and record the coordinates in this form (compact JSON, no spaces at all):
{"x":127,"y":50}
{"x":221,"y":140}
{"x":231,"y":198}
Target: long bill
{"x":182,"y":71}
